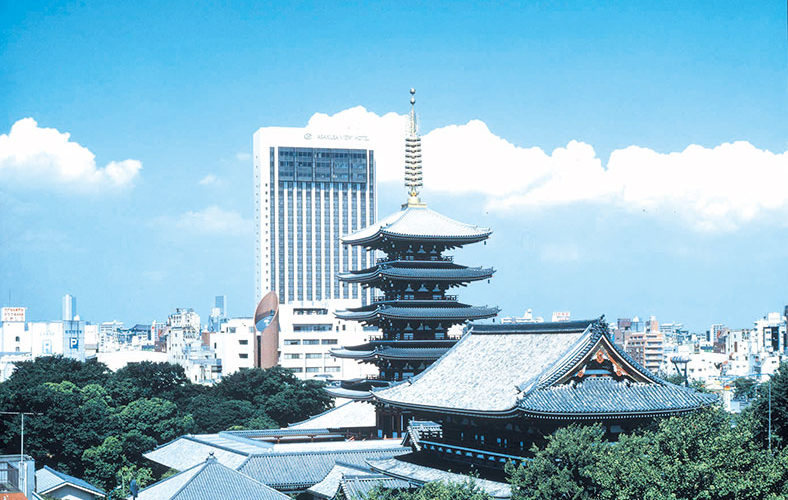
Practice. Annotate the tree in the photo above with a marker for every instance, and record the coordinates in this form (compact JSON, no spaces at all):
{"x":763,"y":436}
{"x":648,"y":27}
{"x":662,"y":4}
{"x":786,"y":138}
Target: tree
{"x":277,"y":392}
{"x":564,"y":468}
{"x":744,"y":387}
{"x":154,"y":417}
{"x":71,"y":420}
{"x":779,"y":409}
{"x":56,"y":369}
{"x":115,"y":461}
{"x":212,"y":414}
{"x":699,"y":455}
{"x":153,"y":380}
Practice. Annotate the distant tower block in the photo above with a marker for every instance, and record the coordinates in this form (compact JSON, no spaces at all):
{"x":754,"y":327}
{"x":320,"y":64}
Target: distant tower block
{"x":69,"y":307}
{"x":266,"y":322}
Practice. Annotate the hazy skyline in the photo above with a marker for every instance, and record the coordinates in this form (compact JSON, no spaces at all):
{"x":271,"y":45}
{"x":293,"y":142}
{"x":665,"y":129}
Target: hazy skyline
{"x":629,"y":160}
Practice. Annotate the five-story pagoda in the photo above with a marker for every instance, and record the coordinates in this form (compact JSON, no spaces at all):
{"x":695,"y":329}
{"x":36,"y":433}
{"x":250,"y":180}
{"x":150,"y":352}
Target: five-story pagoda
{"x":414,"y":311}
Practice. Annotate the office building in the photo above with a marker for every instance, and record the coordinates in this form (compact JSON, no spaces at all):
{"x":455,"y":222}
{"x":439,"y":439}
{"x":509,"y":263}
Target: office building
{"x":308,"y":332}
{"x":234,"y":345}
{"x":69,"y":307}
{"x":311,"y":188}
{"x":218,"y":314}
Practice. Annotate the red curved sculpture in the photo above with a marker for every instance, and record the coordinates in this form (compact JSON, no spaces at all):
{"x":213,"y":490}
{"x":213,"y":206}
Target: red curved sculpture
{"x":266,"y":322}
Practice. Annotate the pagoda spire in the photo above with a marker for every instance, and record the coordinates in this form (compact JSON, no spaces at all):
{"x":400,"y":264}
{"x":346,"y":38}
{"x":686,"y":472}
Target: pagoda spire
{"x":413,"y":176}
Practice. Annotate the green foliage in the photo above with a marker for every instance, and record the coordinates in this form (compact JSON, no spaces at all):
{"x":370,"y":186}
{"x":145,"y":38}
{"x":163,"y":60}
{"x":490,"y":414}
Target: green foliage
{"x":280,"y":395}
{"x":699,"y":456}
{"x":94,"y":423}
{"x":673,"y":378}
{"x":437,"y":490}
{"x":779,"y":409}
{"x":565,"y":468}
{"x":156,"y":418}
{"x":744,"y":387}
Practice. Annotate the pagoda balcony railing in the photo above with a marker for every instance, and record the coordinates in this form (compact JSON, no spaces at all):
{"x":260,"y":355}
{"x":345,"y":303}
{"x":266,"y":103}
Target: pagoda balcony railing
{"x":468,"y":452}
{"x":383,"y":298}
{"x":430,"y":258}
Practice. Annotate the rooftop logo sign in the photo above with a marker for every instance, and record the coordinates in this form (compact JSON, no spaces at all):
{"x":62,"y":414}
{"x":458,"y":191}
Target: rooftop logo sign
{"x":336,"y":137}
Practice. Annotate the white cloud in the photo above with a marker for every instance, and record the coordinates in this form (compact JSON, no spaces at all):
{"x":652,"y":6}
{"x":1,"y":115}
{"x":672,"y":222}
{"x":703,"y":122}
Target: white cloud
{"x":45,"y":157}
{"x":209,"y":180}
{"x":210,"y":220}
{"x":243,"y":156}
{"x":711,"y":189}
{"x":556,"y":253}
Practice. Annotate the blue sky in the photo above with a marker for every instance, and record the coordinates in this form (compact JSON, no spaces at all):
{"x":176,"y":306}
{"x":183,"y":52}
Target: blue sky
{"x":179,"y":89}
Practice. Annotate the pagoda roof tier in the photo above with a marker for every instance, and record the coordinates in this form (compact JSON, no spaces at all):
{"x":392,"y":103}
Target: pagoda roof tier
{"x":396,"y":349}
{"x":547,"y":370}
{"x":400,"y":271}
{"x":341,"y":392}
{"x":386,"y":352}
{"x":450,"y":311}
{"x":417,"y":223}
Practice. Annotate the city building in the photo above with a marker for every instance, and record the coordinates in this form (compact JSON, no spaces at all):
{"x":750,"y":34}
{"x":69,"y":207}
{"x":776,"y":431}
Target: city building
{"x":218,"y":314}
{"x":234,"y":345}
{"x":644,"y":341}
{"x":311,"y":187}
{"x":69,"y":307}
{"x":266,"y":323}
{"x":184,"y":318}
{"x":414,"y":311}
{"x":22,"y":340}
{"x":18,"y":472}
{"x":308,"y":332}
{"x":186,"y":348}
{"x":44,"y":338}
{"x":527,"y":317}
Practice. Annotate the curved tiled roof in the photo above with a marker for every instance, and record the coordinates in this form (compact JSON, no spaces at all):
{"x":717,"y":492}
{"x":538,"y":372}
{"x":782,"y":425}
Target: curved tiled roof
{"x":462,"y":312}
{"x":210,"y":479}
{"x":418,"y":223}
{"x":300,"y":470}
{"x":524,"y":368}
{"x":386,"y":352}
{"x":482,"y":372}
{"x":604,"y":395}
{"x":349,"y":415}
{"x":420,"y":475}
{"x":341,"y":392}
{"x":456,"y":274}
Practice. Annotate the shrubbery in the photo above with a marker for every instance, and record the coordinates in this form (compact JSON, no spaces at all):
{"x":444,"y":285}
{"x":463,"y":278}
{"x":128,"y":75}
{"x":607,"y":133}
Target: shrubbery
{"x":97,"y":424}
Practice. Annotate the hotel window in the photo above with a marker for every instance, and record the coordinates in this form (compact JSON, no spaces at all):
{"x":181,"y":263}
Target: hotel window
{"x":312,"y":369}
{"x":292,"y":342}
{"x":243,"y":342}
{"x":243,"y":355}
{"x":311,"y":341}
{"x":292,"y":356}
{"x":332,"y":369}
{"x":330,"y":341}
{"x":314,"y":355}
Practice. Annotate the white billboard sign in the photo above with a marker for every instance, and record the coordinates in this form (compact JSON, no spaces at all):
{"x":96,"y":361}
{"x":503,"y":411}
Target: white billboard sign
{"x":10,"y":314}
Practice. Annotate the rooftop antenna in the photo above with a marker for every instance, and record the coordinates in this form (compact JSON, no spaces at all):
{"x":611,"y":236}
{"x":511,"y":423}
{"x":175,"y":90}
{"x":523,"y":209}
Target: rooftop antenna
{"x":413,"y":177}
{"x":22,"y":468}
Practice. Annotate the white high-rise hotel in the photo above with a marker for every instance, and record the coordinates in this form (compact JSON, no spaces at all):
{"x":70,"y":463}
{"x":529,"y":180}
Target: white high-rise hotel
{"x":311,"y":188}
